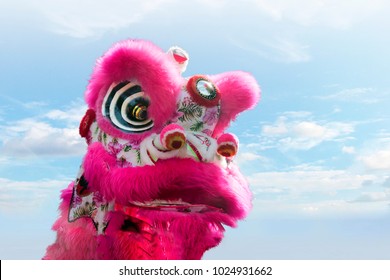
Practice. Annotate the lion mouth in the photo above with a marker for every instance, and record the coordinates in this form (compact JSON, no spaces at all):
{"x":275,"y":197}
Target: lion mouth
{"x":178,"y":206}
{"x":137,"y":215}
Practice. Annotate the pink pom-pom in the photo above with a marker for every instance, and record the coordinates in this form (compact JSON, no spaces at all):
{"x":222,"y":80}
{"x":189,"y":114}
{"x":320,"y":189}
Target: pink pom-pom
{"x":227,"y":145}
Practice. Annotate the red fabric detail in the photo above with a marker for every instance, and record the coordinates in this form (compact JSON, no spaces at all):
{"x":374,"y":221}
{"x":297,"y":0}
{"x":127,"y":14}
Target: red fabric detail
{"x":86,"y":122}
{"x":151,"y":158}
{"x":199,"y":156}
{"x":180,"y":59}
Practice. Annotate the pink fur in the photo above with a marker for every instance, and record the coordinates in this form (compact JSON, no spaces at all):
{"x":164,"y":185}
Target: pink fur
{"x":226,"y":138}
{"x":203,"y":195}
{"x":239,"y":92}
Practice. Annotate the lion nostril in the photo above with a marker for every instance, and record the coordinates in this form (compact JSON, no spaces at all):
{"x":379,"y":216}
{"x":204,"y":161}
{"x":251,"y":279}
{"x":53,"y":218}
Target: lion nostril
{"x":177,"y":144}
{"x":130,"y":226}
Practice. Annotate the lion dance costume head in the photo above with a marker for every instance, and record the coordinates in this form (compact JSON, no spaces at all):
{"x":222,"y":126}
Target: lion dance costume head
{"x":158,"y":180}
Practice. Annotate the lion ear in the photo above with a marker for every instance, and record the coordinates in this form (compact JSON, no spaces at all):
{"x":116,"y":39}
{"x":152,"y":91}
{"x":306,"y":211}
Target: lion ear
{"x":239,"y":92}
{"x":180,"y":57}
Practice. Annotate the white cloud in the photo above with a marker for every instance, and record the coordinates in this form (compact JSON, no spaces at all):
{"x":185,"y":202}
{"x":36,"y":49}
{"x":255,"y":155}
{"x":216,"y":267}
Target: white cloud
{"x":27,"y":196}
{"x":276,"y":129}
{"x":365,"y":95}
{"x":327,"y":208}
{"x":297,"y":114}
{"x":374,"y":155}
{"x":33,"y":104}
{"x":373,"y":197}
{"x":88,"y":18}
{"x":316,"y":190}
{"x":40,"y":137}
{"x":73,"y":115}
{"x":279,"y":49}
{"x":252,"y":158}
{"x":295,"y":133}
{"x":289,"y":51}
{"x":22,"y":104}
{"x":348,"y":150}
{"x":377,"y":160}
{"x":302,"y":181}
{"x":386,"y":182}
{"x":247,"y":156}
{"x":329,"y":13}
{"x":309,"y":130}
{"x":306,"y":191}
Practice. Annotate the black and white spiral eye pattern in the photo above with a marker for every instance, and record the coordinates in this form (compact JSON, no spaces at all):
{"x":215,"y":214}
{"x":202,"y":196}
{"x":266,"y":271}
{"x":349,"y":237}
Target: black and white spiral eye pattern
{"x":126,"y":106}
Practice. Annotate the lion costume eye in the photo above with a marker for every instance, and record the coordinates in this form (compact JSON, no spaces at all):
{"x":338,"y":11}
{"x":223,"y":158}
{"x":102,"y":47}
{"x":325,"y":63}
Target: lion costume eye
{"x":203,"y":91}
{"x":126,"y":106}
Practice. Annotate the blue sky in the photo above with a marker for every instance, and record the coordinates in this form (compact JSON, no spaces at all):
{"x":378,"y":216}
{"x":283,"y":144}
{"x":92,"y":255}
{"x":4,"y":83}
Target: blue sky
{"x":316,"y":150}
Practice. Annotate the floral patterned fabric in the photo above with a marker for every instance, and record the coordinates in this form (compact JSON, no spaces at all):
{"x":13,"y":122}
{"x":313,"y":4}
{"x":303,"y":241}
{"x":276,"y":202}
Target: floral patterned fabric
{"x":127,"y":153}
{"x":87,"y":204}
{"x":195,"y":117}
